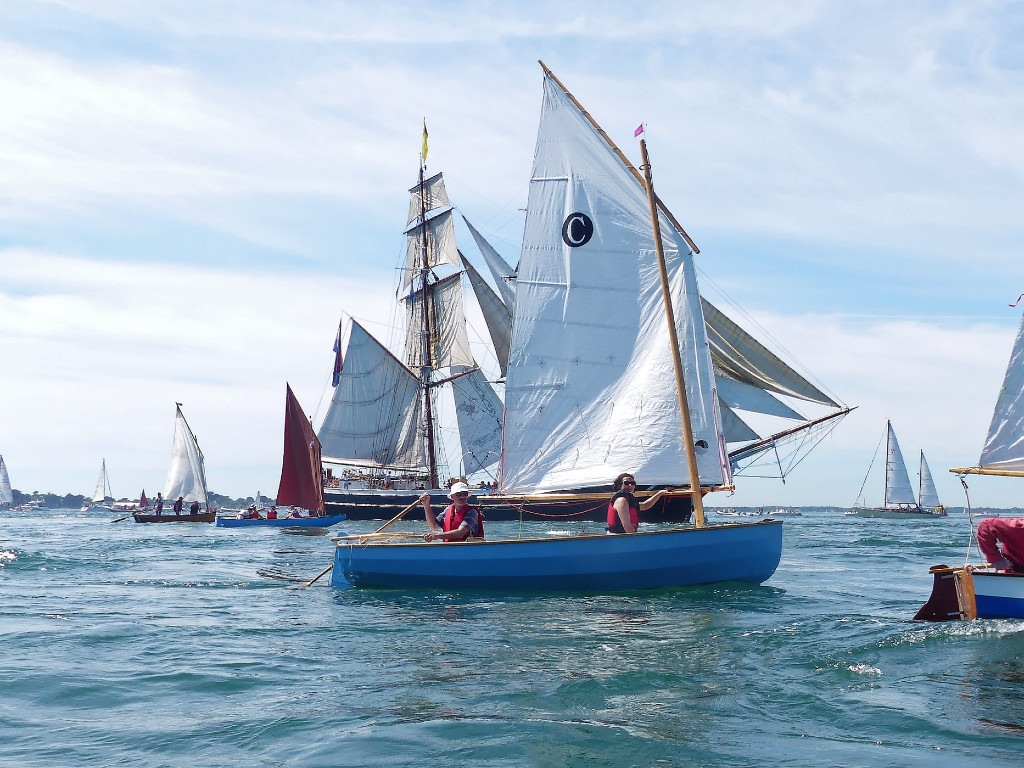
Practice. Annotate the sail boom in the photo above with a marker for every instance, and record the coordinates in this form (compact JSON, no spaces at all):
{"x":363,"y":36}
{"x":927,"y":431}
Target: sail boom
{"x":987,"y":471}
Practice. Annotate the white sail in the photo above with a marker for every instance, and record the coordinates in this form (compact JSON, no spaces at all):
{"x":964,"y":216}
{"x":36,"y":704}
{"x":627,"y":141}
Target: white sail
{"x":439,"y":243}
{"x":374,"y":417}
{"x":431,"y":196}
{"x":6,"y":494}
{"x":591,"y":389}
{"x":449,"y":340}
{"x":497,"y":316}
{"x":929,"y":496}
{"x":500,"y":270}
{"x":102,"y":491}
{"x":1004,"y":446}
{"x":187,"y":475}
{"x":478,"y":412}
{"x":897,"y":482}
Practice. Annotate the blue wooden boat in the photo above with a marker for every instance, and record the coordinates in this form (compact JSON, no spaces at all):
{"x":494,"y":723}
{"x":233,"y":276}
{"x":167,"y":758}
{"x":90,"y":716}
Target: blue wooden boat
{"x":585,"y":563}
{"x":998,"y":595}
{"x":281,"y":522}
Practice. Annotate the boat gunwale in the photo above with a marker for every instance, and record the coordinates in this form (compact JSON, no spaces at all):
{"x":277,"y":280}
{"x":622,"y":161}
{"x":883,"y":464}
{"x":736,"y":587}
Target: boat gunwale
{"x":381,"y":540}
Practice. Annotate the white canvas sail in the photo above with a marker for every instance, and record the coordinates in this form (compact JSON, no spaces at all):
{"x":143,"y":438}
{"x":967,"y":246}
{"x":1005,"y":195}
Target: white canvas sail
{"x":929,"y":496}
{"x":439,"y":243}
{"x":6,"y":494}
{"x":187,"y":475}
{"x":102,"y":491}
{"x":500,"y":270}
{"x":374,"y":416}
{"x":497,"y":316}
{"x":590,"y":390}
{"x":431,"y":196}
{"x":1004,"y":446}
{"x":897,"y":481}
{"x":478,"y":412}
{"x":449,"y":340}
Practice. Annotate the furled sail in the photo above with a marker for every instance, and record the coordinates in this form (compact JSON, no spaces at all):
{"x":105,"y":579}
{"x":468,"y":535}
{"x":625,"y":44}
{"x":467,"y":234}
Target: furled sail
{"x":497,"y":316}
{"x":500,"y":270}
{"x":590,"y":390}
{"x":478,"y":412}
{"x":374,"y":416}
{"x":301,"y":484}
{"x":187,"y":476}
{"x":897,"y":481}
{"x":6,"y":494}
{"x":929,"y":495}
{"x":1004,"y":446}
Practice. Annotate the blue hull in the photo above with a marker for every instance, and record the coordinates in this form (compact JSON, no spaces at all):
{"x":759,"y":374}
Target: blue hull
{"x":588,"y":563}
{"x":999,"y":596}
{"x":284,"y":522}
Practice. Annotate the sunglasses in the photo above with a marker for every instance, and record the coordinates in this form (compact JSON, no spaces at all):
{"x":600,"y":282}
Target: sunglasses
{"x":462,"y":493}
{"x":629,"y":482}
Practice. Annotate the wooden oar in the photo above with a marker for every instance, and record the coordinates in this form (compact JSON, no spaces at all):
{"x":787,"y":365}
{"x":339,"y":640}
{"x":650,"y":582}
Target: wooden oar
{"x":399,"y":516}
{"x":375,"y":534}
{"x":120,"y":519}
{"x":365,"y":536}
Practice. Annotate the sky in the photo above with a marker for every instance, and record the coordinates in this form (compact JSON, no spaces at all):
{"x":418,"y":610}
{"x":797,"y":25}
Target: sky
{"x":193,"y":194}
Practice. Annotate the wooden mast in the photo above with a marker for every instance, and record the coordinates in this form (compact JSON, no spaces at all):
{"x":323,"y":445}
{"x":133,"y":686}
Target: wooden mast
{"x":619,"y":154}
{"x":427,"y":363}
{"x":684,"y":408}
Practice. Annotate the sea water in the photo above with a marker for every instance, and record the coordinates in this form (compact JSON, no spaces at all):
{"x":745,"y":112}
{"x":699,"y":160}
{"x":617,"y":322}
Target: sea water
{"x":181,"y":645}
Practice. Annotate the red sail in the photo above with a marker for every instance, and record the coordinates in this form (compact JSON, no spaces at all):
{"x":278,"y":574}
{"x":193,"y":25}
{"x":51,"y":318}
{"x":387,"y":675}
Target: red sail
{"x":301,"y":484}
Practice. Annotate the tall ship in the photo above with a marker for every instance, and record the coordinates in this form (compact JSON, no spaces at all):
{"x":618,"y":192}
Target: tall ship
{"x":380,"y":436}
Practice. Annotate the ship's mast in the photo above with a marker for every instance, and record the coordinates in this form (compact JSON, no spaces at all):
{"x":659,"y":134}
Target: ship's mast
{"x":426,"y":367}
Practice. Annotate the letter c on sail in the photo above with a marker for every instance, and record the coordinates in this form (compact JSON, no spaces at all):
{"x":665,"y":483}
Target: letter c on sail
{"x":577,"y":230}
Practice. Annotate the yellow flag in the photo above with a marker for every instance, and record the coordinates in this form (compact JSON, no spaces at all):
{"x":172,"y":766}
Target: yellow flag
{"x":424,"y":139}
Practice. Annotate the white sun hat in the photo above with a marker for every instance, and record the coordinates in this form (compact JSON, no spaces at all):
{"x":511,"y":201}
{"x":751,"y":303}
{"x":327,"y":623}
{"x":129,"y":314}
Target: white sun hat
{"x":457,"y":488}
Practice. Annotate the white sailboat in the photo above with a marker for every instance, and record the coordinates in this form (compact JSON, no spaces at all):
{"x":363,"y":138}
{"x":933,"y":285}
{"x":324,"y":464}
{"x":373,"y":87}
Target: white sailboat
{"x":102,"y":498}
{"x":609,"y":368}
{"x":899,"y":500}
{"x":971,"y":592}
{"x":6,"y":494}
{"x":186,"y":480}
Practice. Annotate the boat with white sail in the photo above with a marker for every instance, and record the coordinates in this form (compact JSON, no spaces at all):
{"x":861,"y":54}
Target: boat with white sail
{"x":186,"y":480}
{"x":610,"y":369}
{"x":980,"y":591}
{"x":6,"y":493}
{"x":300,"y":492}
{"x":102,"y":498}
{"x":900,"y":502}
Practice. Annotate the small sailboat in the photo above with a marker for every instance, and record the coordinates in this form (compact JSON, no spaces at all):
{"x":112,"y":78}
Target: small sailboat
{"x":301,"y":486}
{"x":186,"y":480}
{"x":6,"y":494}
{"x":900,"y":502}
{"x":102,"y":498}
{"x":980,"y":591}
{"x":592,"y":390}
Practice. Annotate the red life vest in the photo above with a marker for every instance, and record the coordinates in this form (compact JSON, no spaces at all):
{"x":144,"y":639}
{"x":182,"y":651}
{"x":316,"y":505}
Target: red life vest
{"x":453,"y":519}
{"x":615,"y":525}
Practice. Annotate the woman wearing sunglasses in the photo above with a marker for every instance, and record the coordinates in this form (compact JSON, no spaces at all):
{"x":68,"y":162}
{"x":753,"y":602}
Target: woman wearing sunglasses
{"x":624,"y":510}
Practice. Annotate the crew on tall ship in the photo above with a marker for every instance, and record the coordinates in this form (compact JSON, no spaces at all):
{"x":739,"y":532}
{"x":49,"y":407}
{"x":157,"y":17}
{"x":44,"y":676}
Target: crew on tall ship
{"x":624,"y":509}
{"x":1007,"y":531}
{"x":458,"y":522}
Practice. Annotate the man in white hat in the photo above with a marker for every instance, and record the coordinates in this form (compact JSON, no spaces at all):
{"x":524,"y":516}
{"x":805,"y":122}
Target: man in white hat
{"x":458,"y":522}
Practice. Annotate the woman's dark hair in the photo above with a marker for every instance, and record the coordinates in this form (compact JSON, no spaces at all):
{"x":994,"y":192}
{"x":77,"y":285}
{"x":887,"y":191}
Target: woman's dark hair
{"x":617,"y":485}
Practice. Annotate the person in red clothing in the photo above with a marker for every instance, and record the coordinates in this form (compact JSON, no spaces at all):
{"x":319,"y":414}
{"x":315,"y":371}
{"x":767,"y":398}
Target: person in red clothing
{"x":624,"y":510}
{"x":458,"y":522}
{"x":1007,"y":531}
